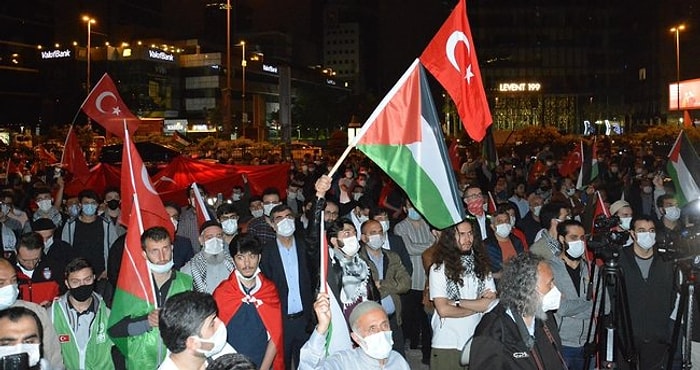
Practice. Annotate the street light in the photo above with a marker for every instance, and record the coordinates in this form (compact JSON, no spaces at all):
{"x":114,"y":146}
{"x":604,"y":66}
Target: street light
{"x":244,"y":114}
{"x":677,"y":29}
{"x":226,"y":121}
{"x":90,"y":21}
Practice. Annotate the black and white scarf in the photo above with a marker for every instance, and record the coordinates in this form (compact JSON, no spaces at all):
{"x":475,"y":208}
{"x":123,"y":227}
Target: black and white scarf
{"x":199,"y":265}
{"x":453,"y":287}
{"x":355,"y":278}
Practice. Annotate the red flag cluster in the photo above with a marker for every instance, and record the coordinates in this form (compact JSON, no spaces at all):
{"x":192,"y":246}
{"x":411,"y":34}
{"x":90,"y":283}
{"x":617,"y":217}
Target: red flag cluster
{"x":572,"y":162}
{"x":105,"y":106}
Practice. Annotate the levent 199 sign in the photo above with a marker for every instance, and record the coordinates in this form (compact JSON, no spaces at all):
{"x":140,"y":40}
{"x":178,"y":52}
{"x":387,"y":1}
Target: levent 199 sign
{"x":519,"y":87}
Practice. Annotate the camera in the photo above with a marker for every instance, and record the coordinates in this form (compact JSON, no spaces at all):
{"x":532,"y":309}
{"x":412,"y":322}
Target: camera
{"x":607,"y":240}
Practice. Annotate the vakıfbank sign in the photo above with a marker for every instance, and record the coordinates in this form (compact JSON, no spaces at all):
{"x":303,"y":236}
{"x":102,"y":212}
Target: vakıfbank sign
{"x":56,"y":54}
{"x":161,"y":55}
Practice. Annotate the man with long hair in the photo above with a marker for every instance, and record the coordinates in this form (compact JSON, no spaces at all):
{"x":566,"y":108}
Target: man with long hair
{"x":461,"y":288}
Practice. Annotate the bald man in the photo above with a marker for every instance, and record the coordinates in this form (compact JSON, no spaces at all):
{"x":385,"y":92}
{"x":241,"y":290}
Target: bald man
{"x":8,"y":298}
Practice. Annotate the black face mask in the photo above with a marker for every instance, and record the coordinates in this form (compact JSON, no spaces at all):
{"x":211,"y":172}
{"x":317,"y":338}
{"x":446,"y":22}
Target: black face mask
{"x":113,"y":204}
{"x":83,"y":292}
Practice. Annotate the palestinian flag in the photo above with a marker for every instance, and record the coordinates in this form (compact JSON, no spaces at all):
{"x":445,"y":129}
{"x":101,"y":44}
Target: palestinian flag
{"x":403,"y":137}
{"x":589,"y":165}
{"x":488,"y":149}
{"x":684,"y":168}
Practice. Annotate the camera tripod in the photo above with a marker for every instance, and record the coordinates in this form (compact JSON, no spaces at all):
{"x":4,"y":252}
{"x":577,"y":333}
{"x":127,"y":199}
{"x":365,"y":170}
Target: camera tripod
{"x":613,"y":341}
{"x":685,"y":316}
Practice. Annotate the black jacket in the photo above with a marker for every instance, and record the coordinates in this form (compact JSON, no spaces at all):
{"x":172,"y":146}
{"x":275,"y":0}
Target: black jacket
{"x":497,"y":344}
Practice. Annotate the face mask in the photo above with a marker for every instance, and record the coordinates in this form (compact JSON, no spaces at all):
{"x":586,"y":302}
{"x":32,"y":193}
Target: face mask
{"x":673,"y":213}
{"x":356,"y":196}
{"x":375,"y":241}
{"x":576,"y":249}
{"x":348,"y":174}
{"x":31,"y":349}
{"x":625,"y":222}
{"x":267,"y":208}
{"x":247,"y":279}
{"x":44,"y":205}
{"x":257,"y":213}
{"x":230,"y":226}
{"x":89,"y":209}
{"x":8,"y":295}
{"x":646,"y":240}
{"x":646,"y":189}
{"x":362,"y":219}
{"x":377,"y":345}
{"x":174,"y":221}
{"x":551,"y":300}
{"x":5,"y":209}
{"x":214,"y":246}
{"x":503,"y":230}
{"x":218,"y":340}
{"x":512,"y":222}
{"x":350,"y":246}
{"x":160,"y":269}
{"x":236,"y":197}
{"x":536,"y":211}
{"x":286,"y":227}
{"x":82,"y":293}
{"x":27,"y":178}
{"x":113,"y":204}
{"x":476,"y":207}
{"x":570,"y":192}
{"x":300,"y":196}
{"x":413,"y":214}
{"x":74,"y":210}
{"x":385,"y":225}
{"x":291,"y":195}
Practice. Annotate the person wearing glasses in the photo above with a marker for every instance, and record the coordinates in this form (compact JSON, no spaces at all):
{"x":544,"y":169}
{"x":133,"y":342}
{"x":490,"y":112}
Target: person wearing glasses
{"x":38,"y":282}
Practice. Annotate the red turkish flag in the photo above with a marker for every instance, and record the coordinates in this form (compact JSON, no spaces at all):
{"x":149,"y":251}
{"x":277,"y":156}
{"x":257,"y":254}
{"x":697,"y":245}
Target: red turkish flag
{"x":105,"y":106}
{"x":199,"y":206}
{"x":572,"y":162}
{"x":451,"y":58}
{"x":136,"y":187}
{"x":73,"y":159}
{"x":538,"y":169}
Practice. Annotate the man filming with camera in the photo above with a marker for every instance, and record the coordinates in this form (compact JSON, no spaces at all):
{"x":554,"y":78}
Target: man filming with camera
{"x":651,"y":296}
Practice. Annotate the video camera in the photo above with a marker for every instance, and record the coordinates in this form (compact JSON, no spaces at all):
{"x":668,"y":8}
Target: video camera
{"x":607,"y":239}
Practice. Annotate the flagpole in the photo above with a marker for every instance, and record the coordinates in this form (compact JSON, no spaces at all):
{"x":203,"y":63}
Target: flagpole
{"x":65,"y":144}
{"x":323,"y":256}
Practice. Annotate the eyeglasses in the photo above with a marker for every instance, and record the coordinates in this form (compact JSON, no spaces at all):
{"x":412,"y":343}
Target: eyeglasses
{"x":280,"y":218}
{"x":229,"y":217}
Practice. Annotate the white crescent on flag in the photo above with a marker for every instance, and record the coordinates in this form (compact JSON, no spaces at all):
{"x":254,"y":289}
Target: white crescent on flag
{"x":451,"y":46}
{"x":147,"y":180}
{"x":98,"y":101}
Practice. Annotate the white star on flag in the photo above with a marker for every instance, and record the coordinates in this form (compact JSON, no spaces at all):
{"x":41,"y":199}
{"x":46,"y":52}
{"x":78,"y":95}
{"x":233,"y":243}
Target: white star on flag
{"x":116,"y":111}
{"x":469,"y":74}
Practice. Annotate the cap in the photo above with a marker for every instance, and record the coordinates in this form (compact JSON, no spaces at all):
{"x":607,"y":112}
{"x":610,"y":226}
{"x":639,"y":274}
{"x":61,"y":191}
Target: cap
{"x":43,"y":224}
{"x":618,"y":206}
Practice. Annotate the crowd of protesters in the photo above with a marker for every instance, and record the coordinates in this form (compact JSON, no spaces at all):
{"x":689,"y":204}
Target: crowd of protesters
{"x":257,"y":264}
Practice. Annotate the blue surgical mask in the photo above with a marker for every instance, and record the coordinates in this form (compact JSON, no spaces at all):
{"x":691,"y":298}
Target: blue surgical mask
{"x":74,"y":210}
{"x":413,"y":214}
{"x":89,"y":209}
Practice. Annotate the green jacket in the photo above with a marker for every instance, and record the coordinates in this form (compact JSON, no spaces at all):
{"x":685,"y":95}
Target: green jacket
{"x":98,"y":352}
{"x":146,"y":351}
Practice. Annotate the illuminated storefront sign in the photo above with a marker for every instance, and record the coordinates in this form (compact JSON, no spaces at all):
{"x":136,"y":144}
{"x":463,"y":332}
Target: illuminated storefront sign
{"x":161,"y":55}
{"x":519,"y":86}
{"x":269,"y":68}
{"x":56,"y":54}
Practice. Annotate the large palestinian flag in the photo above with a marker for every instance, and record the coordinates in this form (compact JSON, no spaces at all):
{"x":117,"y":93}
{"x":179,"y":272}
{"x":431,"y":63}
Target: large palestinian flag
{"x":403,"y":137}
{"x":589,"y":164}
{"x":684,"y":167}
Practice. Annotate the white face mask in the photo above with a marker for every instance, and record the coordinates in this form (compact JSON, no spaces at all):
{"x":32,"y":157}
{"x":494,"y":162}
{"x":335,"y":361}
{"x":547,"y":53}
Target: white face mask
{"x":267,"y":208}
{"x":512,"y":222}
{"x":286,"y":227}
{"x":291,"y":195}
{"x":551,"y":300}
{"x":230,"y":226}
{"x":385,"y":225}
{"x":236,"y":197}
{"x":350,"y":246}
{"x":377,"y":345}
{"x":375,"y":241}
{"x":503,"y":230}
{"x":576,"y":249}
{"x":362,"y":219}
{"x":625,"y":222}
{"x":646,"y":240}
{"x":257,"y":213}
{"x":218,"y":340}
{"x":44,"y":205}
{"x":8,"y":295}
{"x":174,"y":221}
{"x":356,"y":196}
{"x":673,"y":213}
{"x":214,"y":246}
{"x":536,"y":211}
{"x":32,"y":349}
{"x":160,"y":269}
{"x":570,"y":192}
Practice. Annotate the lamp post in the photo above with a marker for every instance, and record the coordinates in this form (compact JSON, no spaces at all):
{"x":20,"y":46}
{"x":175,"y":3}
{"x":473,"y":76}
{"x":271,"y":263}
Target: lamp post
{"x":244,"y":114}
{"x":677,"y":29}
{"x":226,"y":119}
{"x":90,"y":21}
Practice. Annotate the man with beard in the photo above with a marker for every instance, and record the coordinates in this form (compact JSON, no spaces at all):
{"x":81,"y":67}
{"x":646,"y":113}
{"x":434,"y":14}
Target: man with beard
{"x":461,"y":288}
{"x":21,"y":333}
{"x":571,"y":275}
{"x":517,"y":333}
{"x":250,"y":307}
{"x":80,"y":318}
{"x":212,"y":264}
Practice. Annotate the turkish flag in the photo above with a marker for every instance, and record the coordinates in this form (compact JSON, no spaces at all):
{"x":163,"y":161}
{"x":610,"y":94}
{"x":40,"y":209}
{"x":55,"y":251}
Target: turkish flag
{"x":199,"y":206}
{"x":538,"y":169}
{"x":572,"y":162}
{"x":136,"y":187}
{"x":453,"y":153}
{"x":73,"y":159}
{"x":105,"y":106}
{"x":451,"y":58}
